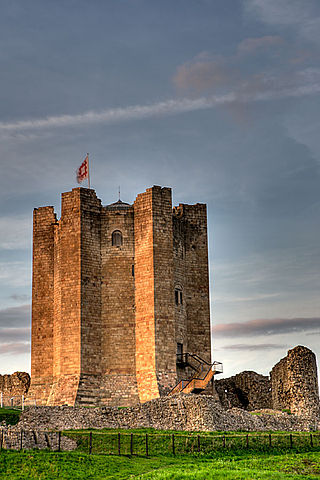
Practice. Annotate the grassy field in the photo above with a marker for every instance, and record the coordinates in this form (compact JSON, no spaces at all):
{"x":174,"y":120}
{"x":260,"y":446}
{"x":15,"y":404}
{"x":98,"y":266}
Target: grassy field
{"x":215,"y":461}
{"x":245,"y":466}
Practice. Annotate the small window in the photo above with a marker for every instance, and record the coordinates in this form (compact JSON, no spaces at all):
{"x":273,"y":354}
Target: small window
{"x":178,"y":296}
{"x":179,"y":352}
{"x":116,"y":238}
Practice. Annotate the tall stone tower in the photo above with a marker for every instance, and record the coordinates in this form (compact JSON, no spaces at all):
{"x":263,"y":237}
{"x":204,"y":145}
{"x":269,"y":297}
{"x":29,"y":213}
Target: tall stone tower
{"x":118,"y":291}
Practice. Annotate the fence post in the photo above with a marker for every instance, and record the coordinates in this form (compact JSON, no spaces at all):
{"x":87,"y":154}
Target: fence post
{"x":35,"y":402}
{"x":147,"y":446}
{"x":199,"y":446}
{"x":247,"y":441}
{"x":270,"y":444}
{"x":291,"y":440}
{"x":59,"y":441}
{"x":173,"y":446}
{"x":11,"y":402}
{"x":131,"y":444}
{"x":22,"y":402}
{"x":1,"y":440}
{"x":311,"y":440}
{"x":90,"y":443}
{"x":1,"y":400}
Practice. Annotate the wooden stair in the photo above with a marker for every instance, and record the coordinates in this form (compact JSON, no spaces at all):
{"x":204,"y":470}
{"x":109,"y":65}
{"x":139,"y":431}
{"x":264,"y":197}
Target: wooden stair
{"x":204,"y":372}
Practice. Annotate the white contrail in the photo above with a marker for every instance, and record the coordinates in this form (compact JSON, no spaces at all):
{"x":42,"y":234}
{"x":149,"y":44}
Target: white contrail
{"x":166,"y":108}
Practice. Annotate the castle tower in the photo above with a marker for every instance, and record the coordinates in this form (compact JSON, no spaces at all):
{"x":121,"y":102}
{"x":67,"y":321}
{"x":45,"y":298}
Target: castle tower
{"x":117,"y":292}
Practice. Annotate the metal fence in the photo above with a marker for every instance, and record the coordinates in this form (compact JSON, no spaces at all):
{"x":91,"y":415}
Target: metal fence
{"x":147,"y":444}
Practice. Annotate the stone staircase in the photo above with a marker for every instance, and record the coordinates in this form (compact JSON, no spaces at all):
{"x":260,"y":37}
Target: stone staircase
{"x":203,"y":374}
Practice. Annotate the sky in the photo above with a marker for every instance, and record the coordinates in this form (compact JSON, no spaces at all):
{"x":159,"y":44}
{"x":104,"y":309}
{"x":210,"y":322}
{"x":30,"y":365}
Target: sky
{"x":218,"y":99}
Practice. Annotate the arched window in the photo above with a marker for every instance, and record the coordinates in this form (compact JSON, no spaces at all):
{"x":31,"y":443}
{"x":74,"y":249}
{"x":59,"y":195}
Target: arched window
{"x":116,"y":238}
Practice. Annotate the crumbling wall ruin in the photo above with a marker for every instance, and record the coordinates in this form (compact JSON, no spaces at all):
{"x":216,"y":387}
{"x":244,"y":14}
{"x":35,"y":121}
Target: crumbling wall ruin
{"x":248,"y":390}
{"x":14,"y":385}
{"x":294,"y":383}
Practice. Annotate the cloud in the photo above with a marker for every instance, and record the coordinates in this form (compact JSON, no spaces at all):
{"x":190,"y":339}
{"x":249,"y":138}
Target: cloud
{"x":14,"y":348}
{"x":268,"y":90}
{"x":202,"y":73}
{"x":14,"y":317}
{"x":251,"y":348}
{"x":15,"y":274}
{"x":14,"y":334}
{"x":15,"y":232}
{"x":252,"y":298}
{"x":19,"y":298}
{"x":303,"y":16}
{"x":251,"y":45}
{"x":273,"y":326}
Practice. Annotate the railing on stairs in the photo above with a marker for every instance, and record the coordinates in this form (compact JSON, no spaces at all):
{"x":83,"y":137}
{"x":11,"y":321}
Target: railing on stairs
{"x":204,"y":372}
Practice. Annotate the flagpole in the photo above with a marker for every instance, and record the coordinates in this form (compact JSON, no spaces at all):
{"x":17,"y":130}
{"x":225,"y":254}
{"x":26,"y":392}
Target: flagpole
{"x":88,"y":171}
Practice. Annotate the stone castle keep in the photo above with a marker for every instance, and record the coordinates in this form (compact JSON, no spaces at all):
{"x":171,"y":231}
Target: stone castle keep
{"x":118,"y":291}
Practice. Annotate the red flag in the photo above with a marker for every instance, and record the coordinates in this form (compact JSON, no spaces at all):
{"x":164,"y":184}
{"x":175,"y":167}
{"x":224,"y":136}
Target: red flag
{"x":83,"y":170}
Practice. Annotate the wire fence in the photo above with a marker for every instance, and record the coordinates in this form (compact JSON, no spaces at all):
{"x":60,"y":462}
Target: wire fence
{"x":147,"y":444}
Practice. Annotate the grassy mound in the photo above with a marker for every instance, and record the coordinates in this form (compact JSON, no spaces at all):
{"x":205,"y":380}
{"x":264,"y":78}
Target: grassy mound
{"x":10,"y":416}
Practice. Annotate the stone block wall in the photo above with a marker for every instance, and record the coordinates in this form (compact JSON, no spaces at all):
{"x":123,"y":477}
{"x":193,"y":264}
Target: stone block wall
{"x":191,"y":277}
{"x":105,"y":324}
{"x":42,"y":351}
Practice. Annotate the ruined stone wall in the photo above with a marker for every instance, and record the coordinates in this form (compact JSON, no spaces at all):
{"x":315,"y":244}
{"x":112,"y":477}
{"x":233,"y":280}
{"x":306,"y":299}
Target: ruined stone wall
{"x":14,"y":385}
{"x":248,"y":390}
{"x":178,"y":412}
{"x":295,"y":382}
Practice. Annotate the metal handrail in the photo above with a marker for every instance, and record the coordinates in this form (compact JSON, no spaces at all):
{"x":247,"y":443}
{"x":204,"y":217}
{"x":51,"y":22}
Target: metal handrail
{"x":188,"y":381}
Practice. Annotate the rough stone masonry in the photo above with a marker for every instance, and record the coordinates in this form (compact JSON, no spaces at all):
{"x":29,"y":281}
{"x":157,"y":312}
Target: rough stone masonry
{"x":117,"y":292}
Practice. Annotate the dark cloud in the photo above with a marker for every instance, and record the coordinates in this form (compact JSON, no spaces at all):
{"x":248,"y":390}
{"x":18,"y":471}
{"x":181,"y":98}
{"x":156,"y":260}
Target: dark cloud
{"x":203,"y":73}
{"x":252,"y":348}
{"x":14,"y":348}
{"x":14,"y":334}
{"x":19,"y":298}
{"x":272,"y":326}
{"x":15,"y":317}
{"x":250,"y":45}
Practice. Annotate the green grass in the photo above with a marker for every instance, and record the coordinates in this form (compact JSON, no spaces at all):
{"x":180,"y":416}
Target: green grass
{"x":232,"y":462}
{"x":9,"y":415}
{"x":49,"y":466}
